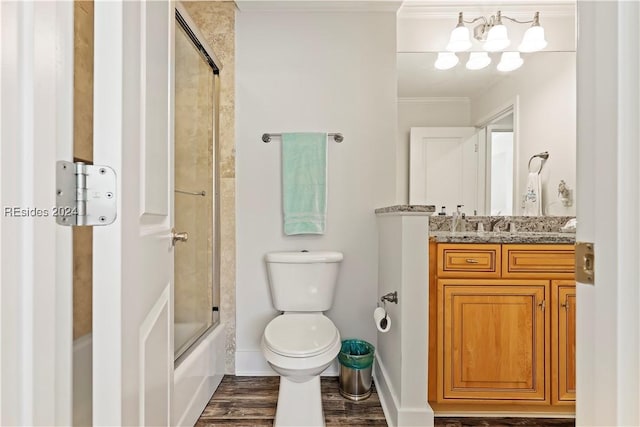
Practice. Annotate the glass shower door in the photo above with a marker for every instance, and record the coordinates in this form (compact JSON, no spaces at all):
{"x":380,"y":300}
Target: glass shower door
{"x":196,"y":290}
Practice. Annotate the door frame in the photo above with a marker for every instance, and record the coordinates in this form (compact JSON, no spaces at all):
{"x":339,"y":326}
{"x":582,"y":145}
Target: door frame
{"x":608,"y":201}
{"x":510,"y":107}
{"x":36,"y":292}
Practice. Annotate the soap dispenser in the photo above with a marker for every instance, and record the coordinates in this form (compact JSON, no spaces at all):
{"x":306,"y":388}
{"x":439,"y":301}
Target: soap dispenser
{"x":455,"y":218}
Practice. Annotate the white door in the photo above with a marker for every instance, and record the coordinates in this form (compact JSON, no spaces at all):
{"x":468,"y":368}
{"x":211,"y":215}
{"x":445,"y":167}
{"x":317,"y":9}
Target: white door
{"x":443,"y":168}
{"x":133,"y":257}
{"x":36,"y":129}
{"x":607,"y":204}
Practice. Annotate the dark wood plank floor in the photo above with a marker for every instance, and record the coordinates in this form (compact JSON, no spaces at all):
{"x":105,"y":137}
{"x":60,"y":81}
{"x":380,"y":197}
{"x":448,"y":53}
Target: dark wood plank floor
{"x":251,"y":401}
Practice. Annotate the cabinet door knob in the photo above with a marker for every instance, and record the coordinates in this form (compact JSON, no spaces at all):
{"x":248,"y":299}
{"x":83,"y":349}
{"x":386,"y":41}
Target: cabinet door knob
{"x":541,"y":304}
{"x":565,"y":305}
{"x":471,"y":261}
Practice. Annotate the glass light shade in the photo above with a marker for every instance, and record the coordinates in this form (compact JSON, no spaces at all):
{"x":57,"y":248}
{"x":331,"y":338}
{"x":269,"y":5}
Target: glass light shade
{"x":533,"y":40}
{"x":497,"y":39}
{"x":510,"y":61}
{"x":460,"y":39}
{"x":478,"y":60}
{"x":446,"y":60}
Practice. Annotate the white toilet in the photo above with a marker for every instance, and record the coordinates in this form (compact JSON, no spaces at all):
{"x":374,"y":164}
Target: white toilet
{"x":302,"y":342}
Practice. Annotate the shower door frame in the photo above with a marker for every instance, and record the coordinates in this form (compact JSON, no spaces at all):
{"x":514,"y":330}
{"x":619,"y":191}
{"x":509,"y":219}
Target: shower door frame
{"x":183,"y":19}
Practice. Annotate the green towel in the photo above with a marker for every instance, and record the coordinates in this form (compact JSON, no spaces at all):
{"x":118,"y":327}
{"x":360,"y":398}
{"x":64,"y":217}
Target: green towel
{"x":304,"y":182}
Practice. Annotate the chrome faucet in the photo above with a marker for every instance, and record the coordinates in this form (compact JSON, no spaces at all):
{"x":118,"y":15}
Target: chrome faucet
{"x":494,"y":224}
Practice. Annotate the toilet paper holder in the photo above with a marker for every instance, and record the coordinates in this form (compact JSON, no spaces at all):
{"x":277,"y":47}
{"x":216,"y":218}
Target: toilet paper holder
{"x":390,"y":297}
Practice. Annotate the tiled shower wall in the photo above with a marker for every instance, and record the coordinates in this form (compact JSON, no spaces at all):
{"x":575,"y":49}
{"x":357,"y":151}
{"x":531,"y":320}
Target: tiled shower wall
{"x":216,"y":22}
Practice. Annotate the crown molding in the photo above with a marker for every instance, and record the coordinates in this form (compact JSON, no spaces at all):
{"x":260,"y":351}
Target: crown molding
{"x":434,"y":100}
{"x":318,"y":5}
{"x":428,"y":9}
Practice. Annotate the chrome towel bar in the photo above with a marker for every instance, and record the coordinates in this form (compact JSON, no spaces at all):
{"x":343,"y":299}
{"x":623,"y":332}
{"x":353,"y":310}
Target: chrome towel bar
{"x":192,"y":193}
{"x":266,"y":137}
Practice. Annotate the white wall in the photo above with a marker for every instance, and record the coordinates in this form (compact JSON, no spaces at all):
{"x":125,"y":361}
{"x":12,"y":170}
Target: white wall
{"x":546,"y":122}
{"x":305,"y":71}
{"x":423,"y":112}
{"x":401,"y":363}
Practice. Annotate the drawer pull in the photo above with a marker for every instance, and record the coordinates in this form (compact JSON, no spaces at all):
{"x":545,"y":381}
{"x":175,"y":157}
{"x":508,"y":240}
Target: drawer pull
{"x":471,"y":261}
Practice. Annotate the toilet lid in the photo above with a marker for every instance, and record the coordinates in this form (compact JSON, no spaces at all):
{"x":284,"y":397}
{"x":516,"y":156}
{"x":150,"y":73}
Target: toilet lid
{"x":300,"y":335}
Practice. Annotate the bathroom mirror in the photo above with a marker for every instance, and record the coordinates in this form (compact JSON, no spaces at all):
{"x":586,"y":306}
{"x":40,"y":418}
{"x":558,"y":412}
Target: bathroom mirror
{"x":515,"y":115}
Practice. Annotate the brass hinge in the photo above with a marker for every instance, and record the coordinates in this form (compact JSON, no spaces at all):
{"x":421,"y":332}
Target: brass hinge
{"x":585,"y":262}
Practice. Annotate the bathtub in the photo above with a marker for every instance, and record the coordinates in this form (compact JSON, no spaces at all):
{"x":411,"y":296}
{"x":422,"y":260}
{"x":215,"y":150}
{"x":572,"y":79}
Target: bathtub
{"x":82,"y":381}
{"x":197,"y":376}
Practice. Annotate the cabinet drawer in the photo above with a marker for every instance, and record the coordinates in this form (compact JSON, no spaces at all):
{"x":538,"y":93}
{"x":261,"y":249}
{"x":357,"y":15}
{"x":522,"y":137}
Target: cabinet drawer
{"x":532,"y":261}
{"x":465,"y":260}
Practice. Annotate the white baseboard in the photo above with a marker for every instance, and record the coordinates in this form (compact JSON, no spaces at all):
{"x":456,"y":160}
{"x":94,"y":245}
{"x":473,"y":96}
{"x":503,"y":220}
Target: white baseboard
{"x":386,"y":394}
{"x":251,"y":363}
{"x":395,"y":414}
{"x":197,"y":378}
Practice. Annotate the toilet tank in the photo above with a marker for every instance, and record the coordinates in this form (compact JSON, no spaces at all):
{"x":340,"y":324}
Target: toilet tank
{"x":303,"y":281}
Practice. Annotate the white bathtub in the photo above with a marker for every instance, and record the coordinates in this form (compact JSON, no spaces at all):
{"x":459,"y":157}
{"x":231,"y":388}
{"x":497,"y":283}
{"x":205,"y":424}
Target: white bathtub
{"x":82,"y":384}
{"x":197,"y":377}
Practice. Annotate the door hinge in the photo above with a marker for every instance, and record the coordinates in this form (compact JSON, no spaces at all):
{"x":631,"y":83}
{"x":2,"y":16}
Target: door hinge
{"x":85,"y":194}
{"x":585,"y":262}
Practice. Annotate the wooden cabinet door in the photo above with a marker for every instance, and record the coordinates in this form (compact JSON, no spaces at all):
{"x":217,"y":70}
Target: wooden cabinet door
{"x":564,"y":342}
{"x":494,"y":340}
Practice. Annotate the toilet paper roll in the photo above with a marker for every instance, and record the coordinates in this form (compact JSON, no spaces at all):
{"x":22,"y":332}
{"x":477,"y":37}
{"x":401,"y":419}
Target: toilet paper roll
{"x":382,"y":319}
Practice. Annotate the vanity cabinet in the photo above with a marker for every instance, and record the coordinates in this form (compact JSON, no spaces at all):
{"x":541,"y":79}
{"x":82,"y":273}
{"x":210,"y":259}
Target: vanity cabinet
{"x":504,"y":330}
{"x":564,"y":342}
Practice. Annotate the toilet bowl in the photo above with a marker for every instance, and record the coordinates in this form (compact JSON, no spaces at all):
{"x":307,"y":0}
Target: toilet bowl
{"x":302,"y":342}
{"x":300,"y":347}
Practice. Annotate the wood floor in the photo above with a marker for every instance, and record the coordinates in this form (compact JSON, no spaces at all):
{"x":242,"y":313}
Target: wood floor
{"x":251,"y":401}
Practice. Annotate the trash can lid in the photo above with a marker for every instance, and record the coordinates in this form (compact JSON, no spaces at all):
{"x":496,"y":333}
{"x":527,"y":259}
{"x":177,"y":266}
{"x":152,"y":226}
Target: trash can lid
{"x":300,"y":335}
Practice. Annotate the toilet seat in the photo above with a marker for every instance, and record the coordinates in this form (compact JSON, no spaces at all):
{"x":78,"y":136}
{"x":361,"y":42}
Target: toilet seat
{"x":300,"y":335}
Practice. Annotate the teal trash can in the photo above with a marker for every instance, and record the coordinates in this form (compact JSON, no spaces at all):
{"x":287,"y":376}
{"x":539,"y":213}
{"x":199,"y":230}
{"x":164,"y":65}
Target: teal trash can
{"x":356,"y":364}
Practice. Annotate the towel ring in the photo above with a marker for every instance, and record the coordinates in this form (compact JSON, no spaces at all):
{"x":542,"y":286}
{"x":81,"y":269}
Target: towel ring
{"x":544,"y":156}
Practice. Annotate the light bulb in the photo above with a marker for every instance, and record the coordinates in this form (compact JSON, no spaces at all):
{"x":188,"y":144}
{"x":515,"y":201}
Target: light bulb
{"x":460,"y":39}
{"x":446,"y":60}
{"x":510,"y":61}
{"x":478,"y":60}
{"x":497,"y":39}
{"x":533,"y":40}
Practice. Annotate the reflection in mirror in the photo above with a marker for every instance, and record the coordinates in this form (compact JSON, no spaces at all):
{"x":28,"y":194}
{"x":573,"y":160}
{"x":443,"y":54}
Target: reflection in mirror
{"x":500,"y":150}
{"x":517,"y":114}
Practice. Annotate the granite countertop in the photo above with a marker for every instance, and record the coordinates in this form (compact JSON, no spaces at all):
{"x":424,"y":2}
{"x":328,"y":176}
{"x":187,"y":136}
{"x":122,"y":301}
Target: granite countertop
{"x":422,"y":209}
{"x":503,"y":237}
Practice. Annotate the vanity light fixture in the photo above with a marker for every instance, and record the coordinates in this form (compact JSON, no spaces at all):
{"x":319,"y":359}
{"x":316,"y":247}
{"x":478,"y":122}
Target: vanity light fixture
{"x":478,"y":60}
{"x":446,"y":60}
{"x":510,"y":61}
{"x":460,"y":39}
{"x":533,"y":39}
{"x":493,"y":34}
{"x":497,"y":38}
